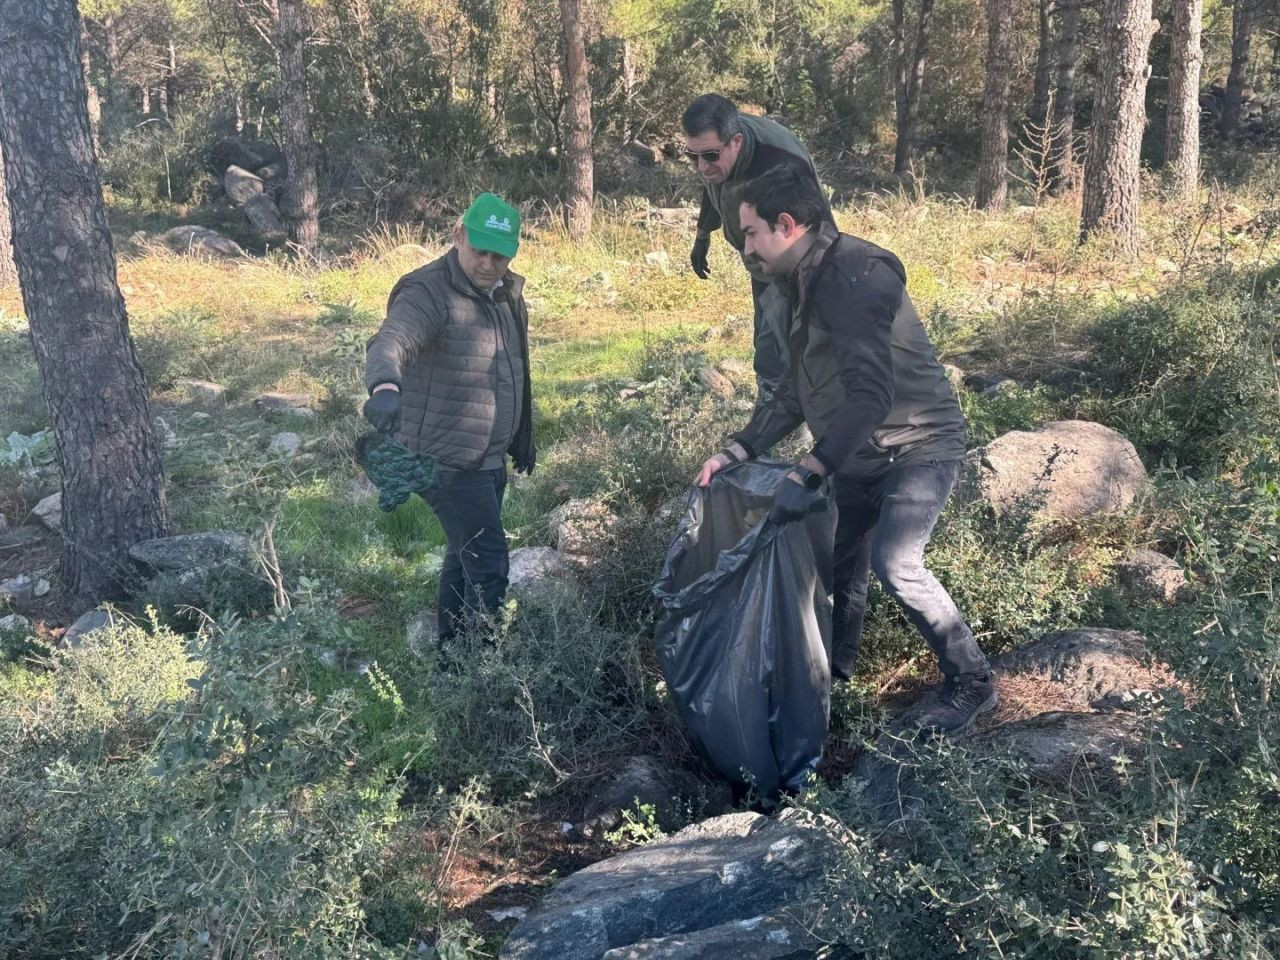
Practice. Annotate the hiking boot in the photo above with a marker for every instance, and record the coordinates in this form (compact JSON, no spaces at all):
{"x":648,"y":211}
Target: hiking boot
{"x":958,"y":704}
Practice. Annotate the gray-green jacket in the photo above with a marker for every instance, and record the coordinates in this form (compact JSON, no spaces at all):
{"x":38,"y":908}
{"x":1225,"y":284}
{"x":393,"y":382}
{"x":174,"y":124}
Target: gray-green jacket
{"x":444,"y":343}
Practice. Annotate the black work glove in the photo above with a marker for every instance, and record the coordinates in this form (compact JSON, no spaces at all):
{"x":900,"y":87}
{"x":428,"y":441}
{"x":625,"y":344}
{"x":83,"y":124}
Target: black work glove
{"x":382,"y":409}
{"x":526,"y":466}
{"x":791,"y":501}
{"x":698,"y":257}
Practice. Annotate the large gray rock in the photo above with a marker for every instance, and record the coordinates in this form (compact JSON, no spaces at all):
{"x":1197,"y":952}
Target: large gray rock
{"x":14,"y":623}
{"x":1066,"y":469}
{"x":88,"y":623}
{"x":204,"y":392}
{"x":1147,"y":575}
{"x":1055,"y":744}
{"x":240,"y":185}
{"x":642,"y":781}
{"x":201,"y":241}
{"x":288,"y":404}
{"x":284,"y":445}
{"x":538,"y":572}
{"x":244,"y":152}
{"x":770,"y":937}
{"x":191,"y":551}
{"x":49,"y":512}
{"x":23,"y":588}
{"x":265,"y":216}
{"x":731,"y":870}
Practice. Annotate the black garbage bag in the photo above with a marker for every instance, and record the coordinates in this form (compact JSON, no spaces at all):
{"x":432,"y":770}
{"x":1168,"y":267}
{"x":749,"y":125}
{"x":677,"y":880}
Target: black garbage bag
{"x":394,"y":469}
{"x":744,"y":635}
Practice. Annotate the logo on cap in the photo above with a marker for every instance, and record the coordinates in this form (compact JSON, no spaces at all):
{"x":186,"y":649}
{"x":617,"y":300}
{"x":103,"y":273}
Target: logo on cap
{"x":493,"y":223}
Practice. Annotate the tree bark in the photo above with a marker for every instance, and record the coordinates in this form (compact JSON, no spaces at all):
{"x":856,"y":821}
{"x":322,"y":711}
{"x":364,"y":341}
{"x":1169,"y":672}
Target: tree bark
{"x":914,"y":83}
{"x":1039,"y":111}
{"x":112,"y":482}
{"x":94,"y":101}
{"x":171,"y":79}
{"x":302,"y":194}
{"x":1063,"y":170}
{"x":628,"y":75}
{"x":1111,"y":169}
{"x":993,"y":167}
{"x":579,"y":183}
{"x":1182,"y":128}
{"x":8,"y":269}
{"x":1241,"y":33}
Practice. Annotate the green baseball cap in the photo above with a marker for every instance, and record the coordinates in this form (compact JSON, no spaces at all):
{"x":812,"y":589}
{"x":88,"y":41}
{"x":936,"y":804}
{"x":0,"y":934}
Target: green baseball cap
{"x":492,"y":224}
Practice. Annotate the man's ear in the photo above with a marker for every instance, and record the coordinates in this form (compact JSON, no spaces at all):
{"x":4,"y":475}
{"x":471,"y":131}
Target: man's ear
{"x":787,"y":224}
{"x":457,"y":232}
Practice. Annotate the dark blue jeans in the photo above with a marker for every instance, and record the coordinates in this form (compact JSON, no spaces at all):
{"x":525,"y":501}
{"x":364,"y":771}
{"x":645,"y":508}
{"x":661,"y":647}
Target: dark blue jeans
{"x":473,"y":579}
{"x":884,"y":524}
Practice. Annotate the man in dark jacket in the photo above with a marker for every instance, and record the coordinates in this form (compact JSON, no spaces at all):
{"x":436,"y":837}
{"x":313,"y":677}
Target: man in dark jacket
{"x":729,"y":149}
{"x":861,"y":372}
{"x":448,"y":377}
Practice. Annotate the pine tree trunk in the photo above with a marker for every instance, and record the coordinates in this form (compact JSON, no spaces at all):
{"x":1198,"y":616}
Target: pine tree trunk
{"x":993,"y":167}
{"x":898,"y":47}
{"x":8,"y":270}
{"x":1111,"y":169}
{"x":579,"y":186}
{"x":1039,"y":111}
{"x":1241,"y":33}
{"x":1063,"y":169}
{"x":302,"y":194}
{"x":112,"y":483}
{"x":1182,"y":129}
{"x":914,"y":84}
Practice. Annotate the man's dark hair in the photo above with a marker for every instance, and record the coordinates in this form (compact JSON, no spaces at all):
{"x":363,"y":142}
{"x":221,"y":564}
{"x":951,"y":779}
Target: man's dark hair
{"x":785,"y":190}
{"x":711,"y":112}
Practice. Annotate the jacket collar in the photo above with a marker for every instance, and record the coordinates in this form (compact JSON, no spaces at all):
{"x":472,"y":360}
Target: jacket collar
{"x":798,"y":282}
{"x":512,"y":283}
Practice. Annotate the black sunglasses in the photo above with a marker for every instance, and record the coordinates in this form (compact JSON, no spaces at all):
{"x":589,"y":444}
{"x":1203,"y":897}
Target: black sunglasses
{"x":711,"y":156}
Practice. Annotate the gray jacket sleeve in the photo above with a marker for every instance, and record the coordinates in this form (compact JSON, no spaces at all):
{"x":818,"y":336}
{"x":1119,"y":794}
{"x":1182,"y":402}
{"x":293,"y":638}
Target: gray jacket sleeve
{"x":414,"y":320}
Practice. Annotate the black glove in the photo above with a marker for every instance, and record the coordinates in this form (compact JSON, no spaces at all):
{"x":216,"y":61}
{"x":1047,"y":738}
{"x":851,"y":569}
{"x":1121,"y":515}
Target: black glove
{"x":791,"y":501}
{"x":526,"y":466}
{"x":382,"y":409}
{"x":698,"y":258}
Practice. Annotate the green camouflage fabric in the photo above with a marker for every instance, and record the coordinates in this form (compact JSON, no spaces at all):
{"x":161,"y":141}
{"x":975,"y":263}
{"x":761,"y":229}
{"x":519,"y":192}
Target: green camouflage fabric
{"x":394,"y":469}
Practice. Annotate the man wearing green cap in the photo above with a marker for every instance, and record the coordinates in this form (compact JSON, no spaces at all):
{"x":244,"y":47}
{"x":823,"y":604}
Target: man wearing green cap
{"x":448,"y":377}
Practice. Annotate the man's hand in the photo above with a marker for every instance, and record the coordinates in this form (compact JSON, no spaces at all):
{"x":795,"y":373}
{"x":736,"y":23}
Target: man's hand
{"x":733,"y":453}
{"x":526,"y":466}
{"x":382,"y":409}
{"x":698,"y":258}
{"x":792,"y":500}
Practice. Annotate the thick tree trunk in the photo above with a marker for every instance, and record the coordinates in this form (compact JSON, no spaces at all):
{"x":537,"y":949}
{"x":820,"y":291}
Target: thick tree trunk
{"x":302,"y":194}
{"x":1111,"y":169}
{"x":1182,"y":129}
{"x":1063,"y":169}
{"x":579,"y":183}
{"x":1241,"y":33}
{"x":1039,"y":111}
{"x":8,"y":270}
{"x":112,"y":484}
{"x":914,"y":84}
{"x":993,"y":167}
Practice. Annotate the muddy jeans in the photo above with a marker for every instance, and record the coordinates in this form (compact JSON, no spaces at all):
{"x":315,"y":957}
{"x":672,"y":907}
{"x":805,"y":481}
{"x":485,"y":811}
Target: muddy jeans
{"x":884,"y":525}
{"x":473,"y":580}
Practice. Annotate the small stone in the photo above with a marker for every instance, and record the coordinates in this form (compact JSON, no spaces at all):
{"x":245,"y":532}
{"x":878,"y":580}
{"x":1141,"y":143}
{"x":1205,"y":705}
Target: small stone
{"x":19,"y":589}
{"x":49,"y":512}
{"x":508,"y":913}
{"x":999,"y":387}
{"x":289,"y":404}
{"x":41,"y":588}
{"x":422,"y":635}
{"x":14,"y":622}
{"x":537,"y":571}
{"x":1166,"y":266}
{"x":165,"y":432}
{"x":1148,"y":575}
{"x":285,"y":444}
{"x":733,"y":367}
{"x":201,"y":241}
{"x":658,"y":258}
{"x":716,"y":382}
{"x":204,"y":392}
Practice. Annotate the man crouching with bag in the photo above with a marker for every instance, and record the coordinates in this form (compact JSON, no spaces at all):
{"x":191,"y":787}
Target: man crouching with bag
{"x":448,"y":377}
{"x":861,"y":372}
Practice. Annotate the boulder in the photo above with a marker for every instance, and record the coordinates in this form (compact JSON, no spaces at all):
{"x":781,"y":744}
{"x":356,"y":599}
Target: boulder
{"x":658,"y":258}
{"x":90,"y":622}
{"x":244,"y":152}
{"x":14,"y":623}
{"x":1066,"y":469}
{"x":289,"y":404}
{"x":642,"y":781}
{"x":999,"y":387}
{"x":23,"y":588}
{"x":537,"y":572}
{"x":204,"y":392}
{"x":284,"y":445}
{"x":582,"y":531}
{"x":265,"y":216}
{"x":49,"y":512}
{"x":191,"y":551}
{"x":731,"y":876}
{"x":643,"y":154}
{"x":240,"y":185}
{"x":200,"y":241}
{"x":1055,"y":743}
{"x":1147,"y":575}
{"x":273,"y":171}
